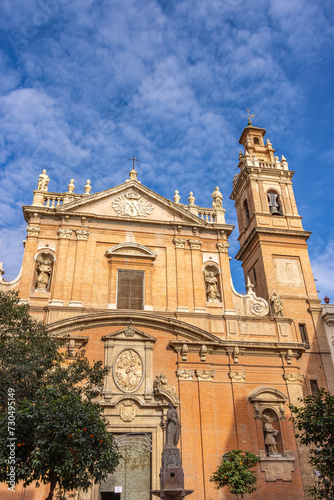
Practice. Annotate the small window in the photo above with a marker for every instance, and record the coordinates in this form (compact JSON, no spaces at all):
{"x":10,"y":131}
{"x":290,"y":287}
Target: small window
{"x":108,"y":495}
{"x":303,"y":334}
{"x":274,"y":202}
{"x":246,"y":210}
{"x":256,"y":141}
{"x":254,"y":275}
{"x":130,"y":290}
{"x":314,"y":387}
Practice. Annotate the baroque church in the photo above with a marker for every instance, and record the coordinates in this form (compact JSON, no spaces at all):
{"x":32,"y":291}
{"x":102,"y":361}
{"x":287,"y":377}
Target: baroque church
{"x":143,"y":283}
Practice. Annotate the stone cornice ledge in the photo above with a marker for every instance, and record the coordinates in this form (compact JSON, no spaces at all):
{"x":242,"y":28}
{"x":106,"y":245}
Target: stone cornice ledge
{"x":282,"y":232}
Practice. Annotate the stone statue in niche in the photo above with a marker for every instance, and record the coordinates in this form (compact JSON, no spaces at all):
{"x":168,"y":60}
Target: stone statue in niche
{"x":277,"y":306}
{"x":217,"y":198}
{"x":211,"y":282}
{"x":269,"y":438}
{"x":43,"y":181}
{"x":44,"y":271}
{"x":173,"y":426}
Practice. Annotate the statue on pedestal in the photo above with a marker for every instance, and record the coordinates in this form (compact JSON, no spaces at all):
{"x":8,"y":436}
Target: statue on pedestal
{"x":270,"y":433}
{"x":171,"y":471}
{"x":173,"y":426}
{"x":276,"y":302}
{"x":43,"y":181}
{"x":211,"y":283}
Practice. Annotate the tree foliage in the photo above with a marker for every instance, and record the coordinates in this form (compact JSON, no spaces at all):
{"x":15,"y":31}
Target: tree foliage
{"x":314,"y":421}
{"x":234,"y":472}
{"x":61,"y":436}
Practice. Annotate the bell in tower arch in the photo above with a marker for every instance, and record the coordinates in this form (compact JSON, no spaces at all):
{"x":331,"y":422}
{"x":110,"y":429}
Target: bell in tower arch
{"x":273,"y":201}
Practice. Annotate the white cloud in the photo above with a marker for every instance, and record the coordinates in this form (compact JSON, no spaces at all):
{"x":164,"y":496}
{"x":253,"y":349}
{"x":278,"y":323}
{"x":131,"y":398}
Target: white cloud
{"x":88,"y":84}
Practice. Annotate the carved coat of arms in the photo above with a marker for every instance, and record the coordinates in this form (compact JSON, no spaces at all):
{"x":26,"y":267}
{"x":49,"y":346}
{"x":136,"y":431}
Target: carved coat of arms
{"x":132,"y":204}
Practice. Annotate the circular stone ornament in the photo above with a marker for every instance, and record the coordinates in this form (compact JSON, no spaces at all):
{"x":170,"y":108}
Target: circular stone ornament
{"x":128,"y":370}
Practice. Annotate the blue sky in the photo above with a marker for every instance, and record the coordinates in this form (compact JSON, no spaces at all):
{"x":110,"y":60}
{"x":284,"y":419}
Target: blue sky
{"x":87,"y":84}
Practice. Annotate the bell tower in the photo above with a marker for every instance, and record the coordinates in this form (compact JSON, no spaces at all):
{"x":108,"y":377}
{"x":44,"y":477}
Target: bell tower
{"x":273,"y":246}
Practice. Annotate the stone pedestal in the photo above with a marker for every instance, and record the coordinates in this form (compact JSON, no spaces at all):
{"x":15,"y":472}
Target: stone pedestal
{"x":171,"y":476}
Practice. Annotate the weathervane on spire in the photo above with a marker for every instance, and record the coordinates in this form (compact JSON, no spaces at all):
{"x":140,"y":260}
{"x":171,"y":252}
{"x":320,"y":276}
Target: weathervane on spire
{"x":249,"y":117}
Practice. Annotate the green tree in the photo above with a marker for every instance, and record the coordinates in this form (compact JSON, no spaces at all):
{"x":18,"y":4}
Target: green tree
{"x":60,"y":435}
{"x":314,"y":421}
{"x":234,"y":472}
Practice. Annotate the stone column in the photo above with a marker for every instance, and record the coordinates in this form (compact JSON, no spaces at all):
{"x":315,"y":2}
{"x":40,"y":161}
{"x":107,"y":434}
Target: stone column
{"x":286,"y":201}
{"x":57,"y":285}
{"x":28,"y":264}
{"x":198,"y":283}
{"x":171,"y":291}
{"x":227,"y":297}
{"x":263,"y":198}
{"x":180,"y":274}
{"x":82,"y":236}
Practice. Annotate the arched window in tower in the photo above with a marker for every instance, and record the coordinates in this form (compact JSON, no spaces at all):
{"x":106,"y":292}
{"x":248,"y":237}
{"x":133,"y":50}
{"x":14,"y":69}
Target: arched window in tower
{"x":246,"y":212}
{"x":256,"y":141}
{"x":44,"y":268}
{"x":274,"y":202}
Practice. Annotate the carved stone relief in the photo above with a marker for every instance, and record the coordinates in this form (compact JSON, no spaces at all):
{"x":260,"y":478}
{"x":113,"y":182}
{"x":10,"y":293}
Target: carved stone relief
{"x":185,"y":374}
{"x":184,"y":352}
{"x":203,"y":352}
{"x":127,"y":411}
{"x":205,"y":374}
{"x":179,"y":242}
{"x":163,"y":388}
{"x":82,"y":234}
{"x":33,"y":231}
{"x":195,"y":244}
{"x":64,"y":233}
{"x":223,"y":246}
{"x":74,"y":347}
{"x":132,"y":204}
{"x":237,"y":376}
{"x":128,"y":370}
{"x":250,"y":304}
{"x":289,"y":356}
{"x":277,"y":468}
{"x":294,"y":378}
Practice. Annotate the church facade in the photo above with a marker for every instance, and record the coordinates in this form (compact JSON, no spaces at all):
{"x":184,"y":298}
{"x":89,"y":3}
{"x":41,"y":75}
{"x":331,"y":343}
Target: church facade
{"x":143,"y":284}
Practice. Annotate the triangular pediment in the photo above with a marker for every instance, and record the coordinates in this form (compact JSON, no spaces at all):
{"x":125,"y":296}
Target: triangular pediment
{"x":131,"y":201}
{"x":129,"y":333}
